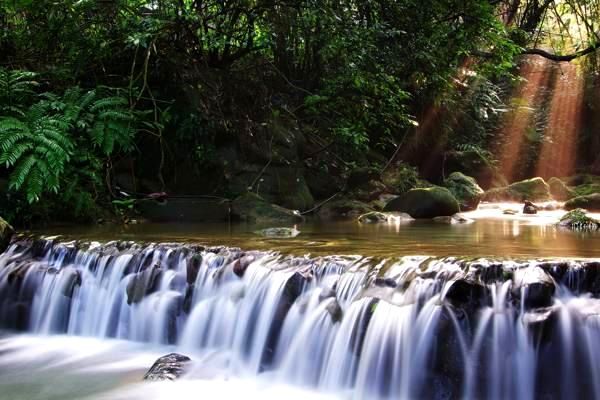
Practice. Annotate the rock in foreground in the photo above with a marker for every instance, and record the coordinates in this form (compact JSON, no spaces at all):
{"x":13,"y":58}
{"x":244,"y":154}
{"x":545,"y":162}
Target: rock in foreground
{"x":169,"y":367}
{"x":425,"y":203}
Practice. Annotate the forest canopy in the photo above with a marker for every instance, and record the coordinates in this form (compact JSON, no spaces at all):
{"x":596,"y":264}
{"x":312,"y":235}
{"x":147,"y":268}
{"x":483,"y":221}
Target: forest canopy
{"x":188,"y":96}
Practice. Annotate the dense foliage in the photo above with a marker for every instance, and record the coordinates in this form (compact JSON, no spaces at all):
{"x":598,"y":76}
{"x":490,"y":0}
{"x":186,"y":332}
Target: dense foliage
{"x":91,"y":90}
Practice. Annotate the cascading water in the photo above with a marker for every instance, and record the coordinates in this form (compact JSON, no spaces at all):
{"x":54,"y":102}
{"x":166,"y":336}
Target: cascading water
{"x":416,"y":327}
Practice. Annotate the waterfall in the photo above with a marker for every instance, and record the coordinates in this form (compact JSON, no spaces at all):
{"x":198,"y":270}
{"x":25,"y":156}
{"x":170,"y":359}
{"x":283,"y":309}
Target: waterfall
{"x":413,"y":327}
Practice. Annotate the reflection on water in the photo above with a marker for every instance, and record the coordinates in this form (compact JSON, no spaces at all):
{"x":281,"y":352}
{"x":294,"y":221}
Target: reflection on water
{"x":492,"y":234}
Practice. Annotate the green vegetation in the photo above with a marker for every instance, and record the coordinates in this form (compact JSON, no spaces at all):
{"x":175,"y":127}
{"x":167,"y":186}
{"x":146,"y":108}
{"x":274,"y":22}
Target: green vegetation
{"x":284,"y":98}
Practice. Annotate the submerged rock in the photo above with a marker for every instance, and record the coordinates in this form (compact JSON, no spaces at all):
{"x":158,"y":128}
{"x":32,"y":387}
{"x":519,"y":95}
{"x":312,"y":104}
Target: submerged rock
{"x":169,"y":367}
{"x":425,"y":203}
{"x":453,"y":219}
{"x":251,"y":207}
{"x":280,"y":232}
{"x":373,"y":217}
{"x":465,"y":189}
{"x":509,"y":211}
{"x":579,"y":220}
{"x":590,"y":202}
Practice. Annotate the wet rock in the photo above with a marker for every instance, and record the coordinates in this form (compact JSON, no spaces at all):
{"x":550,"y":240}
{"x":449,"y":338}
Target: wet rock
{"x":472,"y":162}
{"x":541,"y":323}
{"x":193,"y":266}
{"x":465,"y":293}
{"x":335,"y":311}
{"x":465,"y":189}
{"x":373,"y":217}
{"x":143,"y":283}
{"x":508,"y":211}
{"x":590,"y":202}
{"x":385,"y":282}
{"x":6,"y":234}
{"x":72,"y":280}
{"x":529,"y":207}
{"x":250,"y":207}
{"x":533,"y":287}
{"x":577,"y":219}
{"x":241,"y":265}
{"x":280,"y":232}
{"x":425,"y":203}
{"x":534,"y":189}
{"x":559,"y":190}
{"x":169,"y":367}
{"x":453,"y":219}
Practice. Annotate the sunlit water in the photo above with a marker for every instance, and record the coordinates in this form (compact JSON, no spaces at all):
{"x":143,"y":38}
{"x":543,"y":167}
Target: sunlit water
{"x":305,"y":327}
{"x":492,"y":234}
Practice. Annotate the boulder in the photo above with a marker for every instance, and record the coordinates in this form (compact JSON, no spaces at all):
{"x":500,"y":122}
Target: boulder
{"x":335,"y":310}
{"x":466,"y":293}
{"x":577,"y":219}
{"x":590,"y":202}
{"x":465,"y":189}
{"x":453,"y":219}
{"x":534,"y":189}
{"x":529,"y":207}
{"x":6,"y":233}
{"x":425,"y":203}
{"x":343,"y":209}
{"x":169,"y":367}
{"x":250,"y":207}
{"x":475,"y":163}
{"x":559,"y":190}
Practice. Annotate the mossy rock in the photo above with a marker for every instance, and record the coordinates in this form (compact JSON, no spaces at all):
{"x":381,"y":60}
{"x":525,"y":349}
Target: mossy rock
{"x":425,"y":203}
{"x":577,"y":219}
{"x":559,"y":190}
{"x":250,"y":207}
{"x":586,"y":189}
{"x":6,"y":233}
{"x":297,"y":195}
{"x":534,"y":189}
{"x":343,"y":209}
{"x":590,"y":202}
{"x":465,"y":189}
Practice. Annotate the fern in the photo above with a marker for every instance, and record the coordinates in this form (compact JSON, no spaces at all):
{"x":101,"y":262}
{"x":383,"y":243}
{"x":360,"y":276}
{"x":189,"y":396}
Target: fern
{"x":37,"y":148}
{"x":17,"y":88}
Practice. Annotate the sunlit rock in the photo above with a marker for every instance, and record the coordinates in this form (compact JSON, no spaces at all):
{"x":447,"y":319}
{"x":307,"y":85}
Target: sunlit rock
{"x":590,"y":202}
{"x":577,"y":219}
{"x":534,"y":189}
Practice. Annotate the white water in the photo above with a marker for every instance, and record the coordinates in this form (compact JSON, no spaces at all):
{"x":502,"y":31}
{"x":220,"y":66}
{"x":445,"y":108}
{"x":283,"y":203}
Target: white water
{"x":291,"y":327}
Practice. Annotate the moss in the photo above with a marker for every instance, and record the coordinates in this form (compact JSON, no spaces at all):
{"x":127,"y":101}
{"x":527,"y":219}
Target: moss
{"x":251,"y":207}
{"x":465,"y":189}
{"x":6,"y":233}
{"x":590,"y":202}
{"x":578,"y":219}
{"x":425,"y":203}
{"x":343,"y":209}
{"x":534,"y":189}
{"x":586,"y":189}
{"x":559,"y":190}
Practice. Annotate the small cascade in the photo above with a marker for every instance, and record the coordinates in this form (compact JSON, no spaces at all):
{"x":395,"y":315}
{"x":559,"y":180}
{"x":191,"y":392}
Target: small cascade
{"x":414,"y":327}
